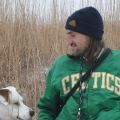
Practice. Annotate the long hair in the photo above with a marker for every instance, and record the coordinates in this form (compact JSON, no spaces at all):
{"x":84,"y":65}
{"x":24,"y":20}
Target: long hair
{"x":94,"y":46}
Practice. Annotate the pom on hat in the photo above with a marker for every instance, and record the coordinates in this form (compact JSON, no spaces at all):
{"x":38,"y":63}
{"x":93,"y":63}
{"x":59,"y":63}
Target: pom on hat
{"x":87,"y":21}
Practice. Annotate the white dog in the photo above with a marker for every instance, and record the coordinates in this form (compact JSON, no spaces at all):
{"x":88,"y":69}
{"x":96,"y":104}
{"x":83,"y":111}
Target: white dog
{"x":12,"y":107}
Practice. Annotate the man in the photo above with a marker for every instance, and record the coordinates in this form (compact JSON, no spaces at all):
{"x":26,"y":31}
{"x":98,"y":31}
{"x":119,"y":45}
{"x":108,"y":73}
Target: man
{"x":98,"y":98}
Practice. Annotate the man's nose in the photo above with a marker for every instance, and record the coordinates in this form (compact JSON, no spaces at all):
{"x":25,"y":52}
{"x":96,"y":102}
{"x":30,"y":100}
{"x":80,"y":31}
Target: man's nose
{"x":69,"y":41}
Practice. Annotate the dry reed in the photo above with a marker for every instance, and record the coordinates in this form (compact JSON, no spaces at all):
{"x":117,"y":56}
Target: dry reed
{"x":29,"y":44}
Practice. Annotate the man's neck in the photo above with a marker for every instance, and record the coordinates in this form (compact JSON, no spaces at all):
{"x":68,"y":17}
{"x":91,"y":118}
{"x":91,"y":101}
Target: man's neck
{"x":100,"y":52}
{"x":97,"y":53}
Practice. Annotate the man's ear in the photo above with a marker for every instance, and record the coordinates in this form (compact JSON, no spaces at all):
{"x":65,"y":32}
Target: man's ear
{"x":4,"y":96}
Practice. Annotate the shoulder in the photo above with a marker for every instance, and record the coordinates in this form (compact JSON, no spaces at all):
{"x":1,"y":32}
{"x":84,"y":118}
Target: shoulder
{"x":114,"y":55}
{"x":115,"y":52}
{"x":63,"y":62}
{"x":63,"y":59}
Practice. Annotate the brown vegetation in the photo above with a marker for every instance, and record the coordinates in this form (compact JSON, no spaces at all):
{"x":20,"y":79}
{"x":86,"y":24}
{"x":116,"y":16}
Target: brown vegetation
{"x":29,"y":44}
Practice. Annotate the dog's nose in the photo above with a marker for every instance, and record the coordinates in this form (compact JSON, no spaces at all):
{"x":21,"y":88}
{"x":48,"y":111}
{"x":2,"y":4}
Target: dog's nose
{"x":31,"y":113}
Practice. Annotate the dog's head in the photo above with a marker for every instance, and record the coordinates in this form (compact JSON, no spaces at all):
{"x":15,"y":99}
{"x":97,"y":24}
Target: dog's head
{"x":12,"y":106}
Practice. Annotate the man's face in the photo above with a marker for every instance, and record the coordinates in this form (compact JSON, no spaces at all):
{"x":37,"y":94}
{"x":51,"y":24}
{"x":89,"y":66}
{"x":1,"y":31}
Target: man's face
{"x":79,"y":42}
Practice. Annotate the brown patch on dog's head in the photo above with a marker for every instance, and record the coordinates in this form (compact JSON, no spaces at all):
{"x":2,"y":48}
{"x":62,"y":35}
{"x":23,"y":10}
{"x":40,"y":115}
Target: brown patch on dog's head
{"x":5,"y":94}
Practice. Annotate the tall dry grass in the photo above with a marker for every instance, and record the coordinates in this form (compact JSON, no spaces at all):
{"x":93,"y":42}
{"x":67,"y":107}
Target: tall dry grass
{"x":30,"y":41}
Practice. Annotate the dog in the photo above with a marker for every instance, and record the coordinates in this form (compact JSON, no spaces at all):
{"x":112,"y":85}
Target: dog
{"x":12,"y":106}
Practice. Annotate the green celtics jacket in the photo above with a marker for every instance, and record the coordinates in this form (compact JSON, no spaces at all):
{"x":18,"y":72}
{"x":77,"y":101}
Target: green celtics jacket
{"x":102,"y":97}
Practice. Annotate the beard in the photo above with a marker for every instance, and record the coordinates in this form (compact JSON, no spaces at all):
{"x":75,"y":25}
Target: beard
{"x":78,"y":52}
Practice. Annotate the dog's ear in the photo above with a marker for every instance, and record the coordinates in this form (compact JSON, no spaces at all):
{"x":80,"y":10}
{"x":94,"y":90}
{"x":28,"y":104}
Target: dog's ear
{"x":4,"y":96}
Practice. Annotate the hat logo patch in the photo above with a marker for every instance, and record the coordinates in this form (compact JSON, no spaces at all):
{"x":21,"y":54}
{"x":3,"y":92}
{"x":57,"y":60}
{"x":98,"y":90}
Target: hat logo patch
{"x":72,"y":23}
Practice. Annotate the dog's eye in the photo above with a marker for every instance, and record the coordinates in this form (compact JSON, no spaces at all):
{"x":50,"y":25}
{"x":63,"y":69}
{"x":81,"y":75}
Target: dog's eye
{"x":17,"y":103}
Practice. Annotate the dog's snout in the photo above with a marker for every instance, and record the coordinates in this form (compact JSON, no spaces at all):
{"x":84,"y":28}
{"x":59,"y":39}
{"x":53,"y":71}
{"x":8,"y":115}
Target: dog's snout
{"x":31,"y":113}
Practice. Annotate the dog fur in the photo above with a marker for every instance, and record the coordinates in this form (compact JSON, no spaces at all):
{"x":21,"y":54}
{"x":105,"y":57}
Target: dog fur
{"x":12,"y":106}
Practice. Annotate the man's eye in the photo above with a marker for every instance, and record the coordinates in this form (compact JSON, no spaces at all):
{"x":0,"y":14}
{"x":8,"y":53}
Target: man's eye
{"x":73,"y":35}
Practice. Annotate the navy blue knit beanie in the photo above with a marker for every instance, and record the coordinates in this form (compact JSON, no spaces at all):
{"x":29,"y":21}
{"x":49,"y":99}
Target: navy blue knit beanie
{"x":87,"y":21}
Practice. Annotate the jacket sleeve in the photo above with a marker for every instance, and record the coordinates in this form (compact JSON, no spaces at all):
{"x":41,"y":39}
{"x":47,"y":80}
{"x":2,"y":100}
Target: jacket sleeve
{"x":49,"y":102}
